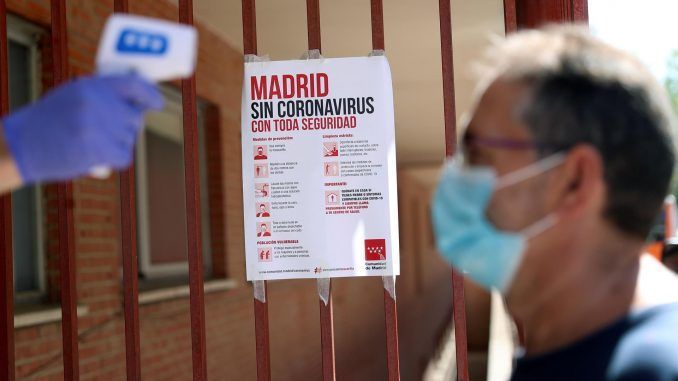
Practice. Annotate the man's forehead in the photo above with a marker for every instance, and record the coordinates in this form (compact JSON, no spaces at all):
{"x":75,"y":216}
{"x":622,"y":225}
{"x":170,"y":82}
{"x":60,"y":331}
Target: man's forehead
{"x":497,"y":111}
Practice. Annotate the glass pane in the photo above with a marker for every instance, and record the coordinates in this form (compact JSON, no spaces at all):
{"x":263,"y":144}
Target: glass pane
{"x":161,"y":199}
{"x":166,"y":199}
{"x":25,"y":224}
{"x":19,"y":75}
{"x":204,"y":193}
{"x":25,"y":218}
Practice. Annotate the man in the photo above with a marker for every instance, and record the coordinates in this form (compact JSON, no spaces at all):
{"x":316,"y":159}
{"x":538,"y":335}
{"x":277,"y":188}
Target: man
{"x":260,"y":154}
{"x":568,"y":158}
{"x":262,"y":211}
{"x":263,"y":231}
{"x":80,"y":125}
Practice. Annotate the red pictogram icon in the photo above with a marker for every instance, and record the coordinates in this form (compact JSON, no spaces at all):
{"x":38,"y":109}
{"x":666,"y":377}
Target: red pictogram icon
{"x":265,"y":254}
{"x":331,"y":168}
{"x":332,"y":198}
{"x":260,"y":152}
{"x":330,"y":149}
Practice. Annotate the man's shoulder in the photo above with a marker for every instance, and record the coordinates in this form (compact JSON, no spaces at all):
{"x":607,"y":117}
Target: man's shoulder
{"x":649,"y":349}
{"x":642,"y":346}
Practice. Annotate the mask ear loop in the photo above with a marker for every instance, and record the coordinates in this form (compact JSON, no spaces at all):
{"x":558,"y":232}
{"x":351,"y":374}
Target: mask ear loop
{"x":525,"y":173}
{"x":531,"y":170}
{"x":540,"y":226}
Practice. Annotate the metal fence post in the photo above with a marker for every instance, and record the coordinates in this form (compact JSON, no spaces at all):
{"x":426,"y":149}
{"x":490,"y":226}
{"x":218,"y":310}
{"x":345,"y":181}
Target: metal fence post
{"x":458,"y":304}
{"x":6,"y":252}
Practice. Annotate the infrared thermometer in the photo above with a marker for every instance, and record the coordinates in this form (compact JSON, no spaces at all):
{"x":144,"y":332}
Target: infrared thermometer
{"x":154,"y":49}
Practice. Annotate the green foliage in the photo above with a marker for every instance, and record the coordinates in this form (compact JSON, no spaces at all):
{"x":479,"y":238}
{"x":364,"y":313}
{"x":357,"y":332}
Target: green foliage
{"x":671,"y":84}
{"x":671,"y":81}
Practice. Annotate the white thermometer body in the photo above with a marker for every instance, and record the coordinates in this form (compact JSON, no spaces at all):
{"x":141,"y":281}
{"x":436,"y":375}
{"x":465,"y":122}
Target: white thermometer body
{"x":156,"y":50}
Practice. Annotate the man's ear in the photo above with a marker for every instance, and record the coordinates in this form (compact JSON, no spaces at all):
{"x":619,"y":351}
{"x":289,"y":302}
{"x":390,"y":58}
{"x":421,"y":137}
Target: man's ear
{"x":581,"y":182}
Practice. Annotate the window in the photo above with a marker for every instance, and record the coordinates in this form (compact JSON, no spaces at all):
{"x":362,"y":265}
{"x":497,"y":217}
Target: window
{"x":161,"y":205}
{"x":27,"y":217}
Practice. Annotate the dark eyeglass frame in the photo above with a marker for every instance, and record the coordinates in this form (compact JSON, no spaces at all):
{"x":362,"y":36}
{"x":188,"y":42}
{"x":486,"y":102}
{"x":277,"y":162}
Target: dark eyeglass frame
{"x":506,"y":143}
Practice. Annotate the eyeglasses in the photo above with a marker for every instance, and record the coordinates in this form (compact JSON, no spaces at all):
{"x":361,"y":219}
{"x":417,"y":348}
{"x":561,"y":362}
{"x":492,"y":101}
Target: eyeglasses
{"x":470,"y":141}
{"x":501,"y":143}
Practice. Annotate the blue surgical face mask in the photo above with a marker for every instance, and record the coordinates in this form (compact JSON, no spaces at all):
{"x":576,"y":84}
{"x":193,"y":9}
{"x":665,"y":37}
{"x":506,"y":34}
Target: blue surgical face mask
{"x":466,"y":238}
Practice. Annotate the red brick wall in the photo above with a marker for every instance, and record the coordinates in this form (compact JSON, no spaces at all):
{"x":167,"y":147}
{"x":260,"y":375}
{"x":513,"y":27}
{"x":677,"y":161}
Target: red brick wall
{"x":424,"y":287}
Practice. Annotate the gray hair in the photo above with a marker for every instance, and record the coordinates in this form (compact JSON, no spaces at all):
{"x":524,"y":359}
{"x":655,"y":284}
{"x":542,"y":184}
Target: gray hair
{"x":587,"y":92}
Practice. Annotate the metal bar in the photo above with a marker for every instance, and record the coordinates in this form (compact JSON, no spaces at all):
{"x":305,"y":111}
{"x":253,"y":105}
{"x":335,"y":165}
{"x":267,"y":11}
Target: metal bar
{"x":128,"y":238}
{"x":7,"y":291}
{"x":510,"y":16}
{"x":120,"y":6}
{"x":390,"y":303}
{"x":7,"y":370}
{"x":327,"y":339}
{"x":511,"y":26}
{"x":324,"y":285}
{"x":261,"y":331}
{"x":448,"y":77}
{"x":459,"y":316}
{"x":450,"y":145}
{"x":192,"y":179}
{"x":128,"y":244}
{"x":4,"y":59}
{"x":261,"y":325}
{"x":313,"y":21}
{"x":69,"y":323}
{"x":327,"y":329}
{"x":580,"y":11}
{"x":391,"y":320}
{"x":377,"y":12}
{"x":249,"y":26}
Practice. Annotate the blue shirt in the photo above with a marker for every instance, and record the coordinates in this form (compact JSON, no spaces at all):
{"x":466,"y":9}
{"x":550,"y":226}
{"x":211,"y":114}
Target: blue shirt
{"x":642,"y":346}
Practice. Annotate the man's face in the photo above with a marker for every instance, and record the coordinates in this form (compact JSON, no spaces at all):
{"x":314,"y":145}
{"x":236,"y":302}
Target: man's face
{"x":497,"y":116}
{"x":260,"y":150}
{"x":262,"y":208}
{"x":263,"y":228}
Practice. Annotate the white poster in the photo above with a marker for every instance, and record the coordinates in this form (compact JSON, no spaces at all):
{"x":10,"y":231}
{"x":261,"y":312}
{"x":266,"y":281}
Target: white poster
{"x":319,"y":169}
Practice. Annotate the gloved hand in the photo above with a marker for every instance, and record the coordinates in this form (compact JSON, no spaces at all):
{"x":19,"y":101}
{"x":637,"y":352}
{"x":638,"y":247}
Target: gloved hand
{"x":92,"y":121}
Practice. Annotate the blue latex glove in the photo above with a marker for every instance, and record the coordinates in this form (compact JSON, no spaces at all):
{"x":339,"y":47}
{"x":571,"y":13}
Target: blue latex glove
{"x":92,"y":121}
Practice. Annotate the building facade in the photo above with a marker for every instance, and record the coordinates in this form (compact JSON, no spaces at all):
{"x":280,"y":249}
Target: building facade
{"x":424,"y":289}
